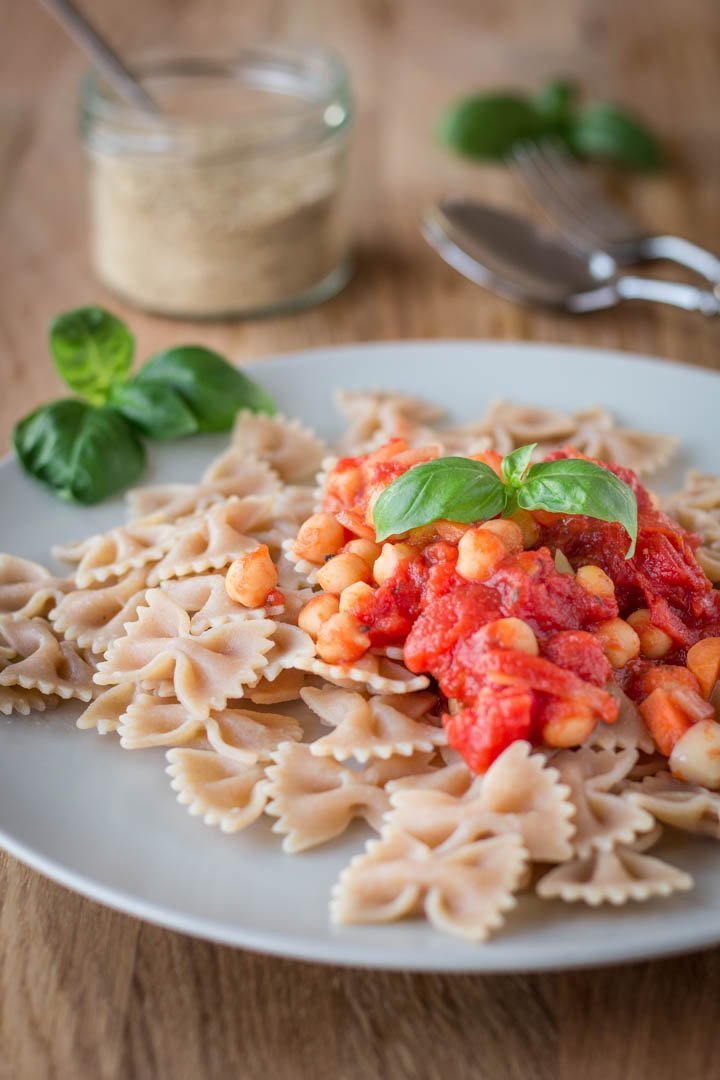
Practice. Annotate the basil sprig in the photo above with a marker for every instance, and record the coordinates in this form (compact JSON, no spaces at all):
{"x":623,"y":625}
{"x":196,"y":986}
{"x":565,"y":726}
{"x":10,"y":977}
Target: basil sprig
{"x":489,"y":125}
{"x":464,"y":490}
{"x":87,"y":448}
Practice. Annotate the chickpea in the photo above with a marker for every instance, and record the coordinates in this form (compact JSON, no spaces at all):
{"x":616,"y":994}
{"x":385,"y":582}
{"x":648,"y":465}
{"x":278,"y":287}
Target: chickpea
{"x":356,"y":596}
{"x":344,"y":485}
{"x":654,"y":642}
{"x":366,"y":549}
{"x":321,"y":535}
{"x":567,"y":723}
{"x":596,"y":582}
{"x":450,"y":530}
{"x":341,"y":571}
{"x":619,"y":641}
{"x":316,"y":612}
{"x":695,"y":758}
{"x":480,"y":552}
{"x":511,"y":633}
{"x":508,"y":531}
{"x":251,"y":577}
{"x":528,"y":527}
{"x":389,"y":560}
{"x":341,"y":639}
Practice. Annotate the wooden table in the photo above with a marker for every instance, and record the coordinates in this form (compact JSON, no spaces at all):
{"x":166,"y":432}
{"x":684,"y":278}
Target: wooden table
{"x":89,"y":993}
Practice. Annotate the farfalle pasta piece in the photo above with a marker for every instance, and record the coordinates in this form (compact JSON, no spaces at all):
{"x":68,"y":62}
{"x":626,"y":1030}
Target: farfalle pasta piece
{"x":150,"y":720}
{"x":205,"y":598}
{"x":376,"y":673}
{"x":674,"y":802}
{"x":23,"y":702}
{"x":612,"y":877}
{"x":28,"y":589}
{"x":115,"y":553}
{"x":464,"y":892}
{"x":250,"y":736}
{"x":214,"y":540}
{"x":293,"y":451}
{"x":369,"y":727}
{"x":204,"y":670}
{"x":454,"y":778}
{"x":627,"y":733}
{"x":518,"y":794}
{"x":106,"y":712}
{"x":289,"y":645}
{"x":374,"y":416}
{"x":221,"y":790}
{"x":510,"y":425}
{"x":284,"y":687}
{"x":465,"y":440}
{"x":640,"y":451}
{"x":95,"y":617}
{"x":603,"y":818}
{"x":291,"y":506}
{"x":697,"y":508}
{"x":41,"y":662}
{"x":222,"y":479}
{"x":315,"y":799}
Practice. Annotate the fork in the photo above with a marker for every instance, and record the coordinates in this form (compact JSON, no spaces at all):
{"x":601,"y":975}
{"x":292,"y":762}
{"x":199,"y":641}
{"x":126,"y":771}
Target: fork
{"x":577,"y":205}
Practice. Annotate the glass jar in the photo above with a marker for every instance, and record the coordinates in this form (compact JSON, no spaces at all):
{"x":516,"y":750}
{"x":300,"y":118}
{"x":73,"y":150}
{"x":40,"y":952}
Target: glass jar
{"x":232,"y":202}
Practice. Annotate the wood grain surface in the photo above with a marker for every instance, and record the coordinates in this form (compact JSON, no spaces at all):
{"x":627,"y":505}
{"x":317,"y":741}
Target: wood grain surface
{"x":87,"y":993}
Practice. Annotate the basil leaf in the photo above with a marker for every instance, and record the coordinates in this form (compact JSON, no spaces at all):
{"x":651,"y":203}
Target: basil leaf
{"x":156,"y":409}
{"x":573,"y":486}
{"x":487,"y":126}
{"x":92,"y":350}
{"x":607,"y":131}
{"x":515,"y":465}
{"x":82,"y":452}
{"x":455,"y":488}
{"x":212,"y":389}
{"x":556,"y":101}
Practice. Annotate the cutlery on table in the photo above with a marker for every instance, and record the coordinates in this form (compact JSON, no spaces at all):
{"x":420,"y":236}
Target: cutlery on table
{"x":576,"y":204}
{"x":518,"y":259}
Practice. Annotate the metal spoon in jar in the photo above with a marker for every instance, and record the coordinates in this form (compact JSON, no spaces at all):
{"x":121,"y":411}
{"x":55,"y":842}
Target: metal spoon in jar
{"x":515,"y":258}
{"x":103,"y":58}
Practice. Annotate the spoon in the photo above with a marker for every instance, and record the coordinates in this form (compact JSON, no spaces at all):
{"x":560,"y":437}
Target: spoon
{"x":514,"y":257}
{"x":102,"y":56}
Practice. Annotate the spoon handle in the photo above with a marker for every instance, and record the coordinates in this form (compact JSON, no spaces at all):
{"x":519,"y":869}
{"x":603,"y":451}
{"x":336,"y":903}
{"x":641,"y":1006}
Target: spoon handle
{"x":674,"y":293}
{"x":101,"y":56}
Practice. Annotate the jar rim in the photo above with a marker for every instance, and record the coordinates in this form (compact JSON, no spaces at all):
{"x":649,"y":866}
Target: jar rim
{"x":285,"y":67}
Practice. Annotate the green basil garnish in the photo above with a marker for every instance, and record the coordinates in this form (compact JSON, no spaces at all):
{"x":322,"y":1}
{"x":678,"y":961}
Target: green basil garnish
{"x":574,"y":486}
{"x":212,"y":389}
{"x":461,"y":489}
{"x":515,"y":465}
{"x":488,"y":126}
{"x":92,"y":349}
{"x":606,"y":131}
{"x":87,"y":449}
{"x":83,"y":452}
{"x":456,"y":488}
{"x":158,"y":411}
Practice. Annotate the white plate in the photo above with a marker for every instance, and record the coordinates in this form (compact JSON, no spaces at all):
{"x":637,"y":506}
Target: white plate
{"x":105,"y":822}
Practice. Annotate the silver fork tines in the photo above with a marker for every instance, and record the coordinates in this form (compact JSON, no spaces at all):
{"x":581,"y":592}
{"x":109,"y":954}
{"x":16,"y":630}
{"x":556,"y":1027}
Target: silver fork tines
{"x":574,"y":201}
{"x":571,"y":196}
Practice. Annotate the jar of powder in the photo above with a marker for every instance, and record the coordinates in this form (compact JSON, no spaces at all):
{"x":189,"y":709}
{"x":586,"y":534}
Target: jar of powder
{"x":232,"y":201}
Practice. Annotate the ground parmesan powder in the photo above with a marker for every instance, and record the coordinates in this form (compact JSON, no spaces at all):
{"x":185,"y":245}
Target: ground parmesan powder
{"x":201,"y":238}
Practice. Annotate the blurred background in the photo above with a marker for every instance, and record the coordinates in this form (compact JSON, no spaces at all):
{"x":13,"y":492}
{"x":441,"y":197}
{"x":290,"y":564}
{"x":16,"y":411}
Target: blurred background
{"x":407,"y":60}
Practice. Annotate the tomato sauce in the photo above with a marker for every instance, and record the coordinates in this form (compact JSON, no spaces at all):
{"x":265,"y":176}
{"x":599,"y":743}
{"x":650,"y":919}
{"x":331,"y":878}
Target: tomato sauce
{"x":444,"y":622}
